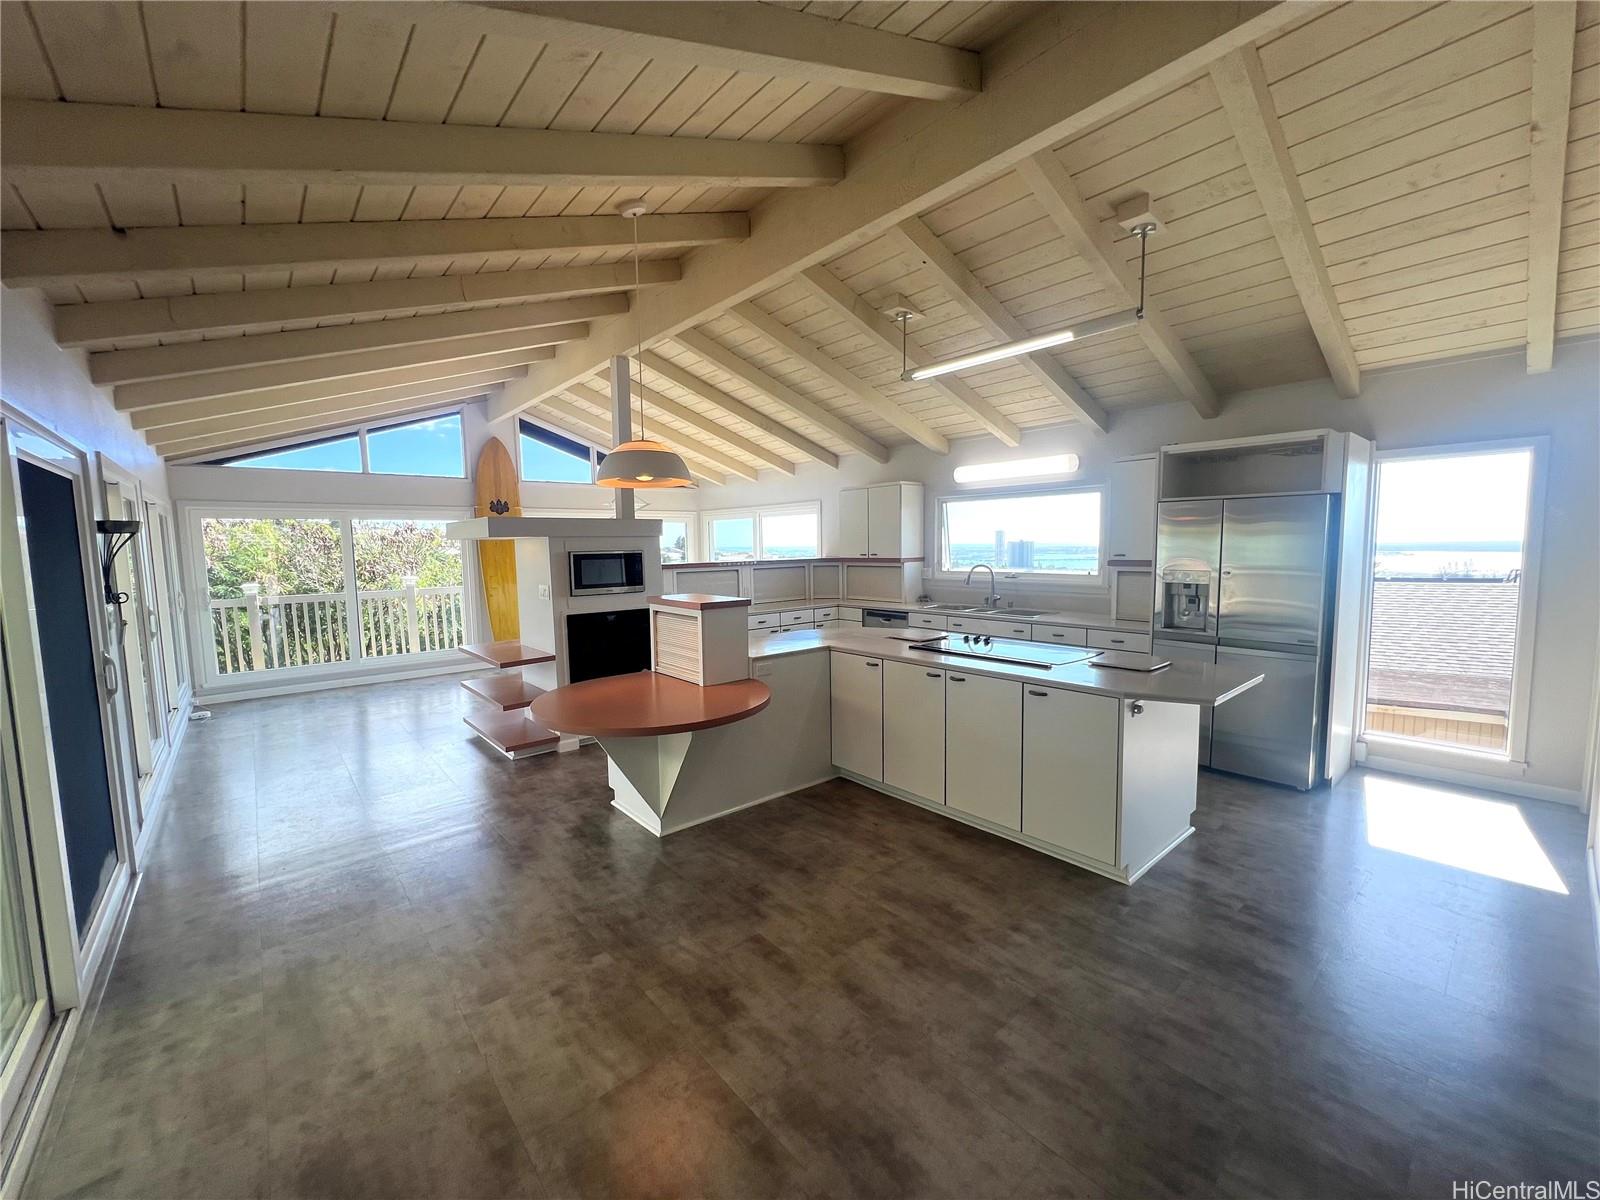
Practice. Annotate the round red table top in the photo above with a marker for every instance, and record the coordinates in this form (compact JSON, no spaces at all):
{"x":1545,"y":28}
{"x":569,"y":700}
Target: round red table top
{"x":646,"y":704}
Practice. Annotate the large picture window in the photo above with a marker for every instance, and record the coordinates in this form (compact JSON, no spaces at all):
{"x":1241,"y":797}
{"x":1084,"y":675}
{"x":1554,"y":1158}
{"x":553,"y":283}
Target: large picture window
{"x":428,"y":446}
{"x":1050,"y":534}
{"x":551,"y":457}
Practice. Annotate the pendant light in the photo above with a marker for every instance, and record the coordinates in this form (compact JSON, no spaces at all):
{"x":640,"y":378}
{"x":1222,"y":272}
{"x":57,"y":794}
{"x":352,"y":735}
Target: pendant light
{"x":641,"y":462}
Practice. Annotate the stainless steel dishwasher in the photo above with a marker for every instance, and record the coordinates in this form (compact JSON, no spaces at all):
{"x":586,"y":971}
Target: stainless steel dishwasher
{"x":884,"y":618}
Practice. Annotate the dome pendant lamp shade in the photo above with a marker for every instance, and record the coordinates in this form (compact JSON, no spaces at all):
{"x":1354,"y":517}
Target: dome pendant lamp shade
{"x":643,"y":464}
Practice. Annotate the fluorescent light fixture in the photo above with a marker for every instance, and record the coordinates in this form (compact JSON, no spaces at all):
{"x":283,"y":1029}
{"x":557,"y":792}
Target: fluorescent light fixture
{"x":1040,"y":341}
{"x":1018,"y":468}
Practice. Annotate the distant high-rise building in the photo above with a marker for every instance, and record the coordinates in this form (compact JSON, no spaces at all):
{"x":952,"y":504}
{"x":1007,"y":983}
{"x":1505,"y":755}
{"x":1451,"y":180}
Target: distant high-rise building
{"x":1000,"y":545}
{"x":1019,"y":554}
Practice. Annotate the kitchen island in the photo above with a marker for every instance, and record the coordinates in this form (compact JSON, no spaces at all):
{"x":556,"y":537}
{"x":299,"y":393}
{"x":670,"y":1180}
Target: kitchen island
{"x":1092,"y":765}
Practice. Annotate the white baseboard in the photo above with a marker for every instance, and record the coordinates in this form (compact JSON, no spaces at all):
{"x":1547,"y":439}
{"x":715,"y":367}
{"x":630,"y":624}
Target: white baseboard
{"x":328,"y":683}
{"x":154,"y":802}
{"x":1474,"y":779}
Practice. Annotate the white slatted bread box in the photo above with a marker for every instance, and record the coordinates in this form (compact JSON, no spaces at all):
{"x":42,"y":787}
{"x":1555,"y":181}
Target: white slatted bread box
{"x":700,"y":638}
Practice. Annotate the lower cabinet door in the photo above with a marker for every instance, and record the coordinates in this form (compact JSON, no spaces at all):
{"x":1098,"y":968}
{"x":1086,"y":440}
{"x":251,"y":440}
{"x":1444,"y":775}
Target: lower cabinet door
{"x":983,"y":747}
{"x":1069,"y":770}
{"x":913,"y":729}
{"x":857,"y":686}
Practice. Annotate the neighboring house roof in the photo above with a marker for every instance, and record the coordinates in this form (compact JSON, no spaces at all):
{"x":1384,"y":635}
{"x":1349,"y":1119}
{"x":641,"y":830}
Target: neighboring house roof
{"x":1444,"y":644}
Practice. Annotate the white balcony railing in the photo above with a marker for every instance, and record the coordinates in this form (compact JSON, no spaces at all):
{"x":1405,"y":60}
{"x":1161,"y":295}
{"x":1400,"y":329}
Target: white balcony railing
{"x":260,"y":632}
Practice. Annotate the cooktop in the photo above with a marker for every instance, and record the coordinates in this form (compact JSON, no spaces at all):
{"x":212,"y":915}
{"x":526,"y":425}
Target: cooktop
{"x":1007,"y":650}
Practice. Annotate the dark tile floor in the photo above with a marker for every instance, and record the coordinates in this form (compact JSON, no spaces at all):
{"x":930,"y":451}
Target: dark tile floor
{"x":370,"y":959}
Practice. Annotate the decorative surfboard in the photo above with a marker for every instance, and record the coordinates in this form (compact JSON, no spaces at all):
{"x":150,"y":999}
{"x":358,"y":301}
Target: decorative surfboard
{"x":497,"y":495}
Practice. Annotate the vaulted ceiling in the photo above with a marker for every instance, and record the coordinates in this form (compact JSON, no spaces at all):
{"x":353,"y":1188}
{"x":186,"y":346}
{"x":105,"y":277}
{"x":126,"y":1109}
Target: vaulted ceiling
{"x":267,"y":218}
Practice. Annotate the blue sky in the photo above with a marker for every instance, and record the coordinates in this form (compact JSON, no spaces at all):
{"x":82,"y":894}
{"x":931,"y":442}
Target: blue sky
{"x":424,"y":448}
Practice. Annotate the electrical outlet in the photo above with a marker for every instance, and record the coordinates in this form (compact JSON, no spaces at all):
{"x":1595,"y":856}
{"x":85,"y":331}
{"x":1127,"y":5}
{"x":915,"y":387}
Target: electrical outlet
{"x":544,"y":591}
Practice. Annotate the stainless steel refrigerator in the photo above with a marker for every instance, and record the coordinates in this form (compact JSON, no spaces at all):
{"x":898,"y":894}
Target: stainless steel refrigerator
{"x":1250,"y":581}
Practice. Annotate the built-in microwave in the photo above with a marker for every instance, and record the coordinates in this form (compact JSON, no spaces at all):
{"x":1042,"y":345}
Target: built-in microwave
{"x":606,"y":572}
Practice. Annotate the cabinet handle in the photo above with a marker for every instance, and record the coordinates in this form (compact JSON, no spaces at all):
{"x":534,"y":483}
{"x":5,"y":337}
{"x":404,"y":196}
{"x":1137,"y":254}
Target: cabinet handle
{"x":931,"y":674}
{"x":873,"y":664}
{"x":1038,"y":693}
{"x":1119,"y":642}
{"x":956,"y":678}
{"x":1135,"y":708}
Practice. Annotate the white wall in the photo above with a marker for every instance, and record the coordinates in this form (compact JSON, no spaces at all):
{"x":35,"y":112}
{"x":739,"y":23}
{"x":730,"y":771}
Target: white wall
{"x":1478,"y":400}
{"x":52,"y":386}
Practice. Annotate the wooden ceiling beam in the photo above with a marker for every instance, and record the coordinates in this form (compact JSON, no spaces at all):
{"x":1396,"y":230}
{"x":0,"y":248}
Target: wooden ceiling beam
{"x":781,"y":394}
{"x":274,"y":423}
{"x":600,"y":426}
{"x":512,"y":363}
{"x":1555,"y":26}
{"x":459,"y":354}
{"x":791,"y":343}
{"x":1051,"y":184}
{"x":708,"y":424}
{"x":232,"y":312}
{"x":33,"y":257}
{"x":738,"y":409}
{"x":1066,"y":69}
{"x":1241,"y":84}
{"x":980,"y":304}
{"x":306,"y":345}
{"x":682,"y":442}
{"x":886,"y":334}
{"x":51,"y":139}
{"x":726,"y":37}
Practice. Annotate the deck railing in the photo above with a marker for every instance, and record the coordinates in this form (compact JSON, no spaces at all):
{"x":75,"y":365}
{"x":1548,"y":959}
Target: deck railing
{"x":262,"y":632}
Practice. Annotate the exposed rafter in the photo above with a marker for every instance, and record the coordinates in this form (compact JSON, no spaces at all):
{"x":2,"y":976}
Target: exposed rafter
{"x":457,"y":354}
{"x":221,"y":354}
{"x":725,"y":37}
{"x":600,"y":428}
{"x":710,"y":425}
{"x":1067,"y":69}
{"x":308,"y":419}
{"x":781,"y":394}
{"x":790,"y":342}
{"x":1051,"y":184}
{"x":33,"y":258}
{"x":738,"y":409}
{"x":166,"y":316}
{"x":243,"y":412}
{"x":1242,"y":86}
{"x":327,"y":389}
{"x":51,"y":139}
{"x":1555,"y":24}
{"x":965,"y":289}
{"x":868,"y":320}
{"x":682,"y":442}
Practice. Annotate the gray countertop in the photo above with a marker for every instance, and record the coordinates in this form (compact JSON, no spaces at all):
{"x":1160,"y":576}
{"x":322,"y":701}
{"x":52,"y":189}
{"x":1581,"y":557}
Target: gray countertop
{"x":1055,"y":617}
{"x":1180,"y":683}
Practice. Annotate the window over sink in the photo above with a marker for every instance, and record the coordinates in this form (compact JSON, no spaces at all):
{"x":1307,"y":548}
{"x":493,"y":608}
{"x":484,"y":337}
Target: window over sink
{"x":1044,"y":535}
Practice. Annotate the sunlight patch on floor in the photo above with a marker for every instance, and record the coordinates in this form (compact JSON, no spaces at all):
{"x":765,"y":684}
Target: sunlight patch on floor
{"x":1455,"y":829}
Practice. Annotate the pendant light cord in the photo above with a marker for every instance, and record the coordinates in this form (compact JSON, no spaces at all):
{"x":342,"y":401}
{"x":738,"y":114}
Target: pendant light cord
{"x":638,"y":327}
{"x":1144,"y":232}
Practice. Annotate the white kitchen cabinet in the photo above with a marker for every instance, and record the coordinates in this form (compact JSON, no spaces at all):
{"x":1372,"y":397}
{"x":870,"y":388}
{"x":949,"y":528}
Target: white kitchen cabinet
{"x":882,"y":521}
{"x":1069,"y":770}
{"x":923,"y":620}
{"x":1112,"y":639}
{"x":793,"y":617}
{"x":983,"y":747}
{"x":913,"y":729}
{"x":764,"y":621}
{"x":857,"y":694}
{"x":1131,"y":509}
{"x":991,"y":627}
{"x":1061,"y":635}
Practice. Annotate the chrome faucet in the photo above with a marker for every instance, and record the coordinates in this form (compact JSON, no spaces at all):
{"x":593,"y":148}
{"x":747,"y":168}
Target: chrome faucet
{"x":992,"y":600}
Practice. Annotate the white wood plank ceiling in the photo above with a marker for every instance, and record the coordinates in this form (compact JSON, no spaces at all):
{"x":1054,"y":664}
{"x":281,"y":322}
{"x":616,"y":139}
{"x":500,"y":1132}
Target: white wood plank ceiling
{"x":1343,"y":187}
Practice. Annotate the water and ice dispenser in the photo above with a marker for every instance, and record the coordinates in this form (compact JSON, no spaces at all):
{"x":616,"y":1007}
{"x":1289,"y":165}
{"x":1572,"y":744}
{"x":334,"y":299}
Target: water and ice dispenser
{"x":1185,"y":600}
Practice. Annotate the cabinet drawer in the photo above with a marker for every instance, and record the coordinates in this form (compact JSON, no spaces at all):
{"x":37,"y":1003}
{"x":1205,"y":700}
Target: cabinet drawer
{"x":927,"y":620}
{"x":1061,"y":635}
{"x":824,"y":614}
{"x":991,"y":628}
{"x":764,"y":621}
{"x":1109,"y":639}
{"x":850,"y":615}
{"x":796,"y":616}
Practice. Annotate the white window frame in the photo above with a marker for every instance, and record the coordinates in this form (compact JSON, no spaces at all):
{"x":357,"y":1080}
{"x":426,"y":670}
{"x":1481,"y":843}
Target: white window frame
{"x":644,"y":512}
{"x":1513,"y":760}
{"x":754,"y":514}
{"x":1098,"y":584}
{"x":201,"y":652}
{"x":595,"y":450}
{"x":357,"y":431}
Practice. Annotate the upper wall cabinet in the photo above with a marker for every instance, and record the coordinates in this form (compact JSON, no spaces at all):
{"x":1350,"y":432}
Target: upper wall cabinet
{"x":882,"y":521}
{"x":1131,"y":509}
